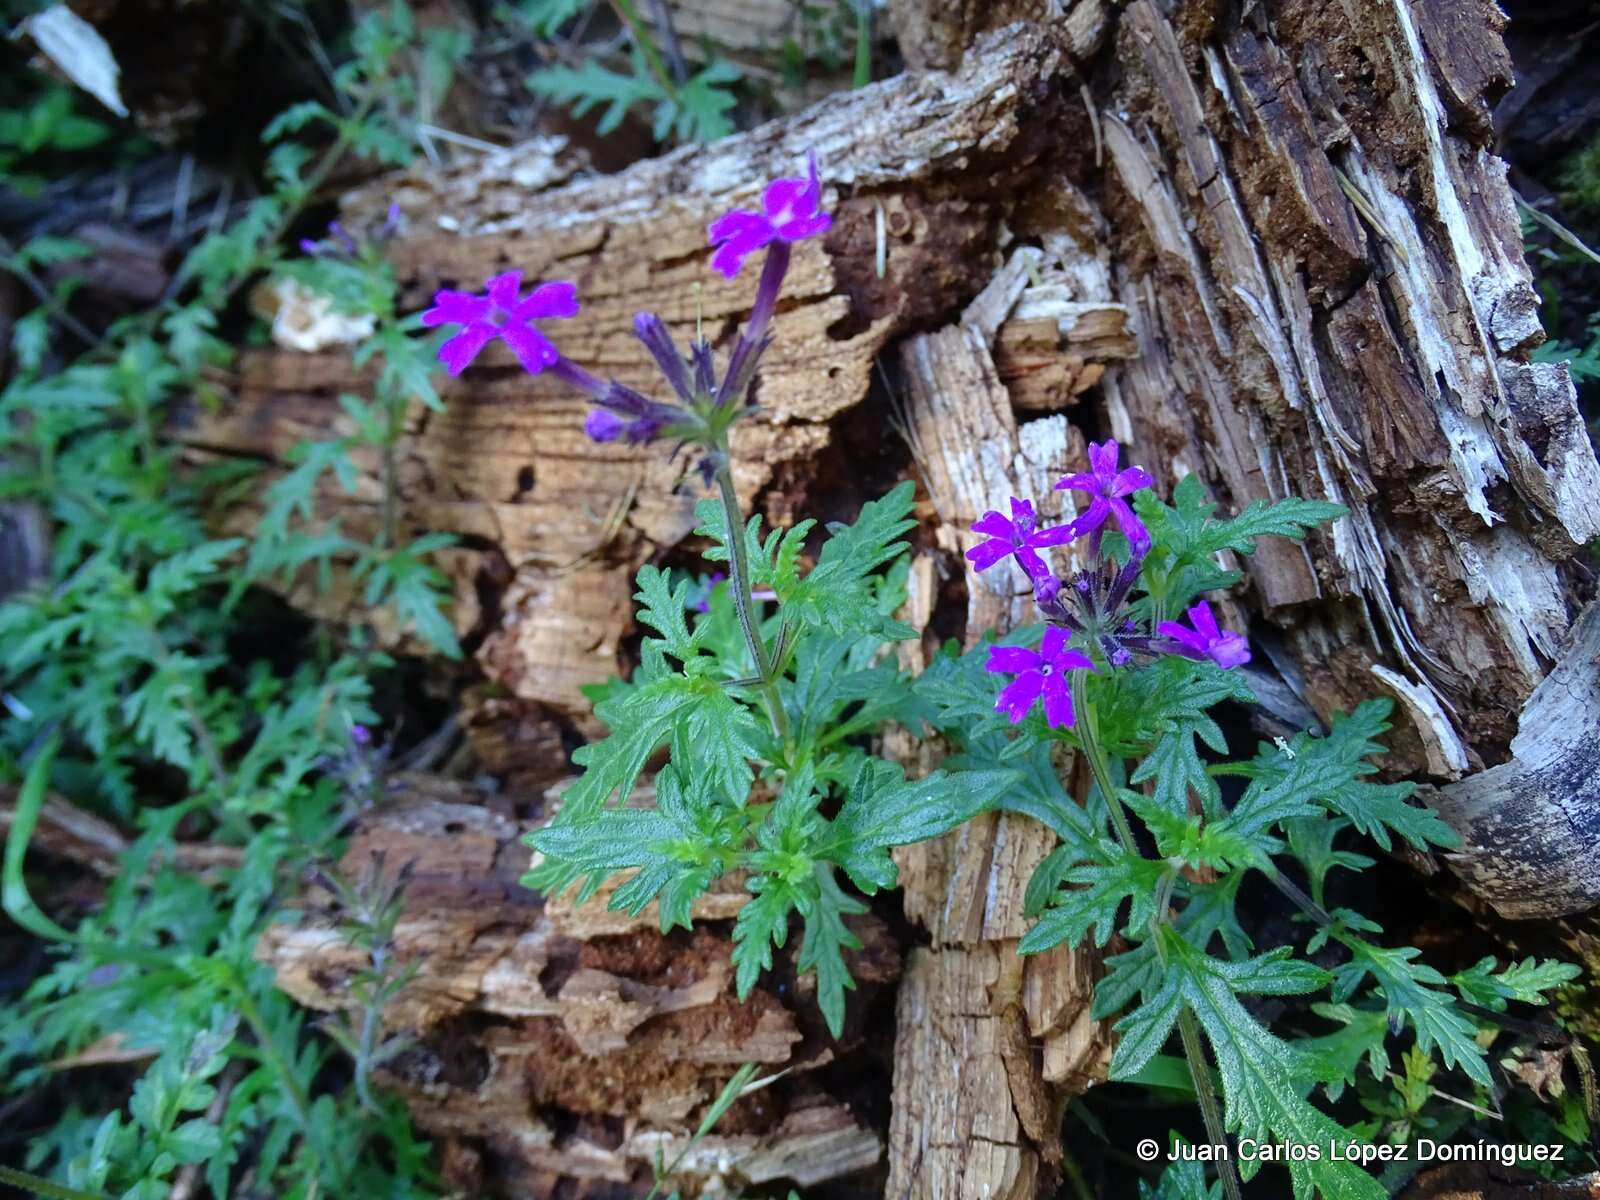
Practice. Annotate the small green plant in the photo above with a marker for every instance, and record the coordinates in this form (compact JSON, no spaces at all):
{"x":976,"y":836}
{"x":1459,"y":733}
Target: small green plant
{"x":684,"y":106}
{"x":128,"y":695}
{"x":761,"y":709}
{"x":1158,"y":854}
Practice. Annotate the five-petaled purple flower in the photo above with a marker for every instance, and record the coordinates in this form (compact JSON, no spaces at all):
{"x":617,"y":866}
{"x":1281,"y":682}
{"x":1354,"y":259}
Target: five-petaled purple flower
{"x":1206,"y":640}
{"x":1107,"y":487}
{"x":1038,"y":673}
{"x":1016,"y":535}
{"x":791,"y":211}
{"x":503,"y":313}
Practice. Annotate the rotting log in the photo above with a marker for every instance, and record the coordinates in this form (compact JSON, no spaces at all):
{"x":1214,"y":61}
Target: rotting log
{"x":1267,"y":244}
{"x":932,"y":158}
{"x":553,"y":1042}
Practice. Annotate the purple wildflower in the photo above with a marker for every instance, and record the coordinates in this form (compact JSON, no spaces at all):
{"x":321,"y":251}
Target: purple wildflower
{"x":361,"y":735}
{"x":1016,"y":535}
{"x":791,"y":212}
{"x":1038,"y":673}
{"x":503,"y":314}
{"x":1205,"y":640}
{"x":1107,"y":486}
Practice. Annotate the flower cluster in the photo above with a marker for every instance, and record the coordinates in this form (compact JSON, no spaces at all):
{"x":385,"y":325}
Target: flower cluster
{"x":1088,"y":623}
{"x":703,"y":406}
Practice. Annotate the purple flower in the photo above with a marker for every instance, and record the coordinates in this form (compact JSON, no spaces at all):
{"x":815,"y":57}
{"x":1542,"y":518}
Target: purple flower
{"x":1016,"y":535}
{"x":1107,"y":486}
{"x":501,"y":314}
{"x":791,"y":212}
{"x":704,"y":590}
{"x":1205,"y":640}
{"x":361,"y":735}
{"x":1038,"y":673}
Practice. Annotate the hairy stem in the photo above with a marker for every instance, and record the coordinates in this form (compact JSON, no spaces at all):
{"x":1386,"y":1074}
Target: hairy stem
{"x":1089,"y":735}
{"x":744,"y":601}
{"x":1189,"y":1032}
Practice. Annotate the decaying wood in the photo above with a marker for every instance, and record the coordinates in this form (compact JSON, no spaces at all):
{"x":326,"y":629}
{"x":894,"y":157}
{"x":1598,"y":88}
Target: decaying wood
{"x":1326,"y":271}
{"x":508,"y":467}
{"x":1530,"y":826}
{"x":550,"y":1044}
{"x":970,"y":1008}
{"x":1265,"y":244}
{"x":67,"y":831}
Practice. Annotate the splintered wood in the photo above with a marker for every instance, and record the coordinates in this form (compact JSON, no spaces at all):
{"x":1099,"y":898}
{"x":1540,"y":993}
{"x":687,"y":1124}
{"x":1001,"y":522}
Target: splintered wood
{"x":1325,"y":267}
{"x":970,"y":1009}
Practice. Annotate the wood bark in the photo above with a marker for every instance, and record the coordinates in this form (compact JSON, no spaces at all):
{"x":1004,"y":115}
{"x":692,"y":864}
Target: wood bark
{"x":1267,"y":244}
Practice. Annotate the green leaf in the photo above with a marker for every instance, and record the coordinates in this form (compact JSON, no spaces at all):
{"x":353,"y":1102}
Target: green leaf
{"x":839,"y":593}
{"x":762,"y":924}
{"x":1104,"y":883}
{"x":1524,"y":982}
{"x":826,"y":939}
{"x":677,"y":850}
{"x":1264,"y":1078}
{"x":1412,"y":993}
{"x":883,"y":809}
{"x":665,"y":609}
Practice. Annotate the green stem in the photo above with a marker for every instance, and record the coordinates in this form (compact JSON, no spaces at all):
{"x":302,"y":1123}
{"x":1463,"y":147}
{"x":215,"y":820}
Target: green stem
{"x":647,"y":48}
{"x":1089,"y":736}
{"x":739,"y":584}
{"x":1189,"y":1032}
{"x":251,"y":1012}
{"x":863,"y":68}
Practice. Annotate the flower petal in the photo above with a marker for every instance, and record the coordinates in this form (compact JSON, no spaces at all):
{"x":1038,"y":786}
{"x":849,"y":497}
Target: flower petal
{"x":1132,"y":528}
{"x":739,"y":223}
{"x":454,"y":308}
{"x":559,"y":298}
{"x":1230,"y":650}
{"x":532,"y":348}
{"x":1079,"y":482}
{"x":1054,"y":535}
{"x":1103,"y":459}
{"x":1130,"y":480}
{"x":1205,"y":624}
{"x":1057,"y":702}
{"x":457,"y":354}
{"x":1032,"y":563}
{"x":985,"y":554}
{"x":995,"y":525}
{"x":503,"y":289}
{"x":1017,"y":697}
{"x":785,"y":199}
{"x":1055,"y":641}
{"x":801,"y":228}
{"x":1011,"y":660}
{"x":1022,"y":515}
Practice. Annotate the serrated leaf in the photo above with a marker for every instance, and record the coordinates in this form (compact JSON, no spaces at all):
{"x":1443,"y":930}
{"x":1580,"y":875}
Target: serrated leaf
{"x":676,"y":850}
{"x":762,"y":924}
{"x":1524,"y":982}
{"x":1101,"y":887}
{"x":1413,"y":996}
{"x":826,"y":939}
{"x":883,"y":809}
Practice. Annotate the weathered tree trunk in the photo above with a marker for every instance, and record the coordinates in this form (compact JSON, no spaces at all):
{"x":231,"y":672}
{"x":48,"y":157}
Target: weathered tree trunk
{"x":1264,"y":243}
